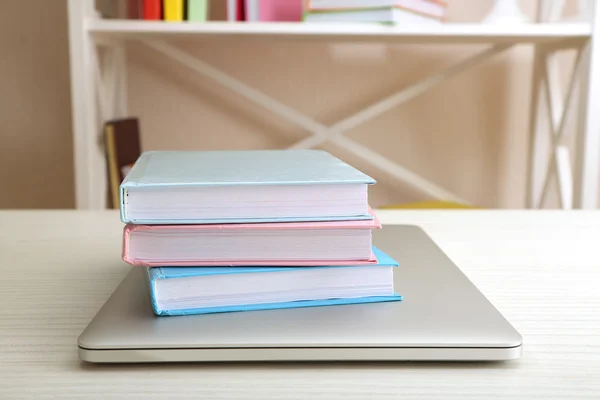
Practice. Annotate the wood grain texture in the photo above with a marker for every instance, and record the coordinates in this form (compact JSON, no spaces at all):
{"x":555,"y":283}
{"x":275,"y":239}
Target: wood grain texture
{"x":540,"y":269}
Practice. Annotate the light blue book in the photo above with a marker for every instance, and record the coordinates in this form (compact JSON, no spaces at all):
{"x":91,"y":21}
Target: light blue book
{"x":198,"y":187}
{"x":204,"y":290}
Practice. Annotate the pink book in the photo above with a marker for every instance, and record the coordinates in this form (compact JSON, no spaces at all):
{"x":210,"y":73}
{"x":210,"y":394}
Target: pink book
{"x":261,"y":244}
{"x":274,"y":10}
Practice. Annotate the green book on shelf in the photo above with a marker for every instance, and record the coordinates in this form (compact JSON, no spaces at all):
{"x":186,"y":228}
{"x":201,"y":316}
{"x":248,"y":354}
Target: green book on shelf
{"x":197,"y":10}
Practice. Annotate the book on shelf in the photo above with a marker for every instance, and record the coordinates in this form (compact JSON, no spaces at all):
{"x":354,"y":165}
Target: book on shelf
{"x":152,"y":10}
{"x":120,"y":9}
{"x":274,"y":10}
{"x":173,"y":10}
{"x":202,"y":290}
{"x":286,"y":243}
{"x":197,"y":10}
{"x":383,"y":15}
{"x":135,"y":9}
{"x":225,"y":10}
{"x":236,"y":10}
{"x":191,"y":187}
{"x":122,"y":143}
{"x":429,"y":8}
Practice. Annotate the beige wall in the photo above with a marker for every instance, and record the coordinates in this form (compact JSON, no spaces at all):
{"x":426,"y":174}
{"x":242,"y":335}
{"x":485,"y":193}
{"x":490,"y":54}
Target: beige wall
{"x":36,"y":168}
{"x":468,"y":134}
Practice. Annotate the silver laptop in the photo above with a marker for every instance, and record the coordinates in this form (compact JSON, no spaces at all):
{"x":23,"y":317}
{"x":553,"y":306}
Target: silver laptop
{"x":442,"y":317}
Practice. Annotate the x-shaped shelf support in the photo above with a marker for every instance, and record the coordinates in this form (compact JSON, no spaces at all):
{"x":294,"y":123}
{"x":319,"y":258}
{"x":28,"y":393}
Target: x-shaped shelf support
{"x":557,"y":110}
{"x":321,"y":133}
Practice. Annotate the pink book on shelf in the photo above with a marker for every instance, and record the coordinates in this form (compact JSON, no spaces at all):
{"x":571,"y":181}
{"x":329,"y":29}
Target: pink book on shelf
{"x":274,"y":10}
{"x":263,"y":244}
{"x":240,"y":12}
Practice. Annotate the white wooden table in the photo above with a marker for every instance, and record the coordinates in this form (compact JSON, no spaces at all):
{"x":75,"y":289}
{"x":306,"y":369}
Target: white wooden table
{"x":540,"y":268}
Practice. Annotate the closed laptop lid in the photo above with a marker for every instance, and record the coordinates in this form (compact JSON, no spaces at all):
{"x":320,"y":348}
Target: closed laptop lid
{"x":441,"y":309}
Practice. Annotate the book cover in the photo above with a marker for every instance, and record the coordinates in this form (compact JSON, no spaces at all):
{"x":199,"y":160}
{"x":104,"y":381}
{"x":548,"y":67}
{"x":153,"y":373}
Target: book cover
{"x":173,"y":10}
{"x":197,"y":10}
{"x":431,"y":8}
{"x":236,"y":10}
{"x":391,"y":15}
{"x":159,"y":273}
{"x":240,"y":11}
{"x":274,"y":10}
{"x":245,"y":229}
{"x":134,"y":9}
{"x":171,"y":170}
{"x":241,"y":167}
{"x":275,"y":306}
{"x":285,"y":263}
{"x":217,"y":10}
{"x":122,"y":140}
{"x":152,"y":10}
{"x":383,"y":260}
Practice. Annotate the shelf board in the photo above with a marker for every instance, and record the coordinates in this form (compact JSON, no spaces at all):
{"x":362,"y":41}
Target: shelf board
{"x":448,"y":33}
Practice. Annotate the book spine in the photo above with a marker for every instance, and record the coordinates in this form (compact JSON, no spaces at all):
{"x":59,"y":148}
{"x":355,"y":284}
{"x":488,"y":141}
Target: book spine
{"x":241,"y":11}
{"x":252,"y":13}
{"x":122,"y":207}
{"x":113,"y":167}
{"x":125,"y":248}
{"x":150,"y":279}
{"x":351,"y":11}
{"x":197,"y":10}
{"x":152,"y":10}
{"x":134,"y":9}
{"x":173,"y":10}
{"x":231,"y":10}
{"x":431,"y":8}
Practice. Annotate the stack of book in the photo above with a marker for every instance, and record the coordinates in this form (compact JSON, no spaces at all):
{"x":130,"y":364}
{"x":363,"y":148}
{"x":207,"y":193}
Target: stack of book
{"x":203,"y":10}
{"x":173,"y":10}
{"x":155,"y":10}
{"x":402,"y":12}
{"x":222,"y":231}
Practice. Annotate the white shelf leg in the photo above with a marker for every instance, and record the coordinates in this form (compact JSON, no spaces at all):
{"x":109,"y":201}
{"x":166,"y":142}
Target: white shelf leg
{"x":104,"y":80}
{"x":546,"y":71}
{"x":535,"y":157}
{"x":587,"y":158}
{"x":535,"y":161}
{"x":554,"y":98}
{"x":122,"y":110}
{"x":109,"y":83}
{"x":89,"y":163}
{"x":558,"y":112}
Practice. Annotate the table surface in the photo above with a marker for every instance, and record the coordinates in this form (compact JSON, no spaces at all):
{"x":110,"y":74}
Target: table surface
{"x":539,"y":268}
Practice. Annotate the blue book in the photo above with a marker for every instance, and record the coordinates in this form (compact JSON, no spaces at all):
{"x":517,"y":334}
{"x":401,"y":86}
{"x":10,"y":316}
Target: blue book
{"x":204,"y":290}
{"x":187,"y":187}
